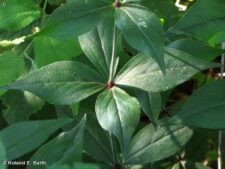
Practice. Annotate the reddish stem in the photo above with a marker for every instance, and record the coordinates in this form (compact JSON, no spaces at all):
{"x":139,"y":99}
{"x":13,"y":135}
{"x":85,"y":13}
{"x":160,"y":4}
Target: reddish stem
{"x":109,"y":85}
{"x":117,"y":4}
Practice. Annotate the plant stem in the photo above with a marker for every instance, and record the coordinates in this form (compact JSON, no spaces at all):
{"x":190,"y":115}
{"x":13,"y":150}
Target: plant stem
{"x":113,"y":59}
{"x":44,"y":12}
{"x":113,"y":148}
{"x":25,"y":51}
{"x":220,"y":134}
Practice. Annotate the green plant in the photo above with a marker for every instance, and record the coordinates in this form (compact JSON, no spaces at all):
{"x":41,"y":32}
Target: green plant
{"x":95,"y":81}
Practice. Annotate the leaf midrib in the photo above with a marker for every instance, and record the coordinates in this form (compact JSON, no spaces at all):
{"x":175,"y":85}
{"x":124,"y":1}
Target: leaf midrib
{"x":152,"y":72}
{"x":140,"y":151}
{"x":200,"y":23}
{"x":28,"y":137}
{"x":145,"y":36}
{"x":186,"y":115}
{"x":67,"y":19}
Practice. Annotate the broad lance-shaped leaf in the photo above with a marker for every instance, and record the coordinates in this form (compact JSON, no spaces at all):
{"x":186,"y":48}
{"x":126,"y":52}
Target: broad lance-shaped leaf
{"x":142,"y":30}
{"x":98,"y":137}
{"x":118,"y":113}
{"x":153,"y":144}
{"x":150,"y":103}
{"x":66,"y":148}
{"x":11,"y":67}
{"x":206,"y":107}
{"x":24,"y":12}
{"x":197,"y":48}
{"x":203,"y":20}
{"x":62,"y":82}
{"x":21,"y":138}
{"x":20,"y":105}
{"x":97,"y":45}
{"x":144,"y":73}
{"x":48,"y":50}
{"x":76,"y":17}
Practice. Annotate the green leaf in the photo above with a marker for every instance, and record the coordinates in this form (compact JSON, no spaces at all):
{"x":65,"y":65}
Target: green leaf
{"x":20,"y":105}
{"x":75,"y":166}
{"x":62,"y":82}
{"x":199,"y":141}
{"x":164,"y":9}
{"x":18,"y":14}
{"x":142,"y":30}
{"x":218,"y":37}
{"x":190,"y":165}
{"x":21,"y":138}
{"x":153,"y":144}
{"x":48,"y":50}
{"x":2,"y":156}
{"x":203,"y":20}
{"x":75,"y":18}
{"x":85,"y":166}
{"x":97,"y":45}
{"x":151,"y":104}
{"x":118,"y":113}
{"x":55,"y":2}
{"x":205,"y":108}
{"x":197,"y":48}
{"x":98,"y":137}
{"x":144,"y":73}
{"x":12,"y":67}
{"x":176,"y":166}
{"x":56,"y":166}
{"x":66,"y":148}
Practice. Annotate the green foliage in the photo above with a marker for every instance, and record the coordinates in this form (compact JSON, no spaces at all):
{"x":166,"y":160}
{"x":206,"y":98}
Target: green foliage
{"x":22,"y":102}
{"x":48,"y":50}
{"x":208,"y":112}
{"x":2,"y":156}
{"x":118,"y":113}
{"x":12,"y":66}
{"x":137,"y":24}
{"x":206,"y":20}
{"x":28,"y":135}
{"x":152,"y":144}
{"x":18,"y":14}
{"x":64,"y":149}
{"x":144,"y":73}
{"x":63,"y":82}
{"x":112,"y":84}
{"x":75,"y":166}
{"x":151,"y":104}
{"x":75,"y":18}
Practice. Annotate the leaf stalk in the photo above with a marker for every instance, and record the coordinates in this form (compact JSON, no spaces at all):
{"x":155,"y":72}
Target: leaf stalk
{"x":113,"y":59}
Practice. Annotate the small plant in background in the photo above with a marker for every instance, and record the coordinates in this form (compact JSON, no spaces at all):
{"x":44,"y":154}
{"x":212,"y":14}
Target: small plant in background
{"x":112,"y":84}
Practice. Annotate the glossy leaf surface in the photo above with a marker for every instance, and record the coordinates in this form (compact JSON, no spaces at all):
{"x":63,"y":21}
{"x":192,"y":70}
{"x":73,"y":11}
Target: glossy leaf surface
{"x":144,"y":73}
{"x":62,"y":82}
{"x":206,"y":18}
{"x":205,"y":108}
{"x":66,"y":148}
{"x":118,"y":113}
{"x":75,"y":18}
{"x":28,"y":135}
{"x":97,"y":45}
{"x":137,"y":25}
{"x":151,"y":144}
